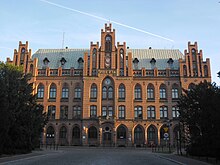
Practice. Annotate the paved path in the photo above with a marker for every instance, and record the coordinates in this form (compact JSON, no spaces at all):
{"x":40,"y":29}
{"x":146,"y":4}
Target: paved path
{"x":97,"y":156}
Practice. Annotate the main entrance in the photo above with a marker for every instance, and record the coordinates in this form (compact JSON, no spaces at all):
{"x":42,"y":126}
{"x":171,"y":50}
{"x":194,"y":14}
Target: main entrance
{"x":107,"y":137}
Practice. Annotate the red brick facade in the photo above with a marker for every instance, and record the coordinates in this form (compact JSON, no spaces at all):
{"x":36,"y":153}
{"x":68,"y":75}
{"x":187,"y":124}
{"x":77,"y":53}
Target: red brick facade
{"x":108,"y":101}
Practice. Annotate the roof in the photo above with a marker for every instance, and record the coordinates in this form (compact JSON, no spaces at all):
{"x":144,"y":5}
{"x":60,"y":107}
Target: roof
{"x":160,"y":55}
{"x":55,"y":55}
{"x":144,"y":57}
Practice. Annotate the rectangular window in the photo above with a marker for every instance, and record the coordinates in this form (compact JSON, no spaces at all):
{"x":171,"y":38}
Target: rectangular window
{"x":76,"y":112}
{"x":65,"y":93}
{"x":138,"y":112}
{"x":104,"y":111}
{"x":151,"y":112}
{"x":162,"y":93}
{"x":93,"y":111}
{"x":175,"y":94}
{"x":63,"y":112}
{"x":51,"y":112}
{"x":121,"y":112}
{"x":163,"y":112}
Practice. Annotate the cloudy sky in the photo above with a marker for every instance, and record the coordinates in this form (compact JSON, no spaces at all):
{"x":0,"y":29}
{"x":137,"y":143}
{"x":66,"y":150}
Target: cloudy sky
{"x":158,"y":24}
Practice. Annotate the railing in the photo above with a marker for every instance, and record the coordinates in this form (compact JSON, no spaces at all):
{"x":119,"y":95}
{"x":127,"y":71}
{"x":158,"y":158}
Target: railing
{"x":137,"y":73}
{"x":41,"y":72}
{"x":53,"y":72}
{"x":161,"y":73}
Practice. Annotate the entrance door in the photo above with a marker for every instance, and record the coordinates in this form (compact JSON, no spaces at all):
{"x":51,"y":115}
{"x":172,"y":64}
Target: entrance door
{"x":107,"y":139}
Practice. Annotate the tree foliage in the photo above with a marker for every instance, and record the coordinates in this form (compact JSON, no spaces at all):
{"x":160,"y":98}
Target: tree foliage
{"x":21,"y":118}
{"x":200,"y":113}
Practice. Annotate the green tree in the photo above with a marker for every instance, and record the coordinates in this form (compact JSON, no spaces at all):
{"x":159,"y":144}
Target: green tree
{"x":200,"y":113}
{"x":22,"y":119}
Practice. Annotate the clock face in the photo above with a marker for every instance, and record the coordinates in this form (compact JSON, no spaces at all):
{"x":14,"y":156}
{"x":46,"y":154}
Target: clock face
{"x":107,"y":81}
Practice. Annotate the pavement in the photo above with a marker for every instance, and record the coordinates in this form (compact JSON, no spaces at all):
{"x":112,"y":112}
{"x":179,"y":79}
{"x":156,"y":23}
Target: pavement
{"x":98,"y":155}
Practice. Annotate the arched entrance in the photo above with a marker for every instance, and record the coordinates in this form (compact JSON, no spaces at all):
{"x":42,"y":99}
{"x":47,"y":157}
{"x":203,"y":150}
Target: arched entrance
{"x":139,"y":136}
{"x":122,"y":135}
{"x":76,"y":136}
{"x":50,"y":135}
{"x":63,"y":136}
{"x":152,"y":136}
{"x":164,"y":135}
{"x":107,"y":136}
{"x":92,"y":136}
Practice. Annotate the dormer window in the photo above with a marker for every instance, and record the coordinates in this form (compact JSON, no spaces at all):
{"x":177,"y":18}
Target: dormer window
{"x":80,"y":61}
{"x":62,"y":61}
{"x":170,"y":63}
{"x":135,"y":62}
{"x":46,"y":61}
{"x":152,"y":62}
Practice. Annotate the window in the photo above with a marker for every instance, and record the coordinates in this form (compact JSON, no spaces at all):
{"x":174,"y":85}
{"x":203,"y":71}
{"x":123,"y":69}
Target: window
{"x":108,"y":43}
{"x":151,"y":112}
{"x":184,"y":70}
{"x":65,"y":92}
{"x":163,"y":112}
{"x":63,"y":132}
{"x":107,"y":111}
{"x":93,"y":91}
{"x":93,"y":111}
{"x":121,"y":62}
{"x":138,"y":134}
{"x":205,"y":71}
{"x":121,"y":91}
{"x":150,"y":92}
{"x":175,"y":92}
{"x":94,"y":54}
{"x":77,"y":93}
{"x":121,"y":132}
{"x":138,"y":112}
{"x":121,"y":112}
{"x":51,"y":112}
{"x":151,"y":132}
{"x":104,"y":111}
{"x":163,"y":92}
{"x":110,"y":93}
{"x":104,"y":93}
{"x":175,"y":112}
{"x":76,"y":112}
{"x":53,"y":91}
{"x":63,"y":112}
{"x":40,"y":91}
{"x":137,"y":92}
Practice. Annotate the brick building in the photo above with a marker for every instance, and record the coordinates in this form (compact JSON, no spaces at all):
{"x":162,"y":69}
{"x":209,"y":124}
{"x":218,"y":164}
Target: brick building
{"x":110,"y":95}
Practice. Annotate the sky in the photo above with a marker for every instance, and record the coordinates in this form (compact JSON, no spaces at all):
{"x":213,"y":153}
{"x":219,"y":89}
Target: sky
{"x":159,"y":24}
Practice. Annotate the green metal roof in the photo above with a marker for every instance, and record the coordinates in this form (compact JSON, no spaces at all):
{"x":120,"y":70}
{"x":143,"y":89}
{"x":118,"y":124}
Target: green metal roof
{"x":143,"y":55}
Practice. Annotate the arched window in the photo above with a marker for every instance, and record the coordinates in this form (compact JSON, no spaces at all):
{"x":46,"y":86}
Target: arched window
{"x":108,"y":43}
{"x":92,"y":133}
{"x":121,"y":132}
{"x":184,"y":70}
{"x":205,"y":71}
{"x":121,"y":112}
{"x":191,"y":86}
{"x":93,"y":111}
{"x":51,"y":113}
{"x":138,"y":92}
{"x":107,"y":89}
{"x":121,"y":91}
{"x":94,"y":54}
{"x":138,"y":112}
{"x":175,"y":91}
{"x":53,"y":91}
{"x":93,"y":91}
{"x":151,"y":112}
{"x":65,"y":91}
{"x":121,"y":62}
{"x":63,"y":132}
{"x":150,"y":92}
{"x":163,"y":94}
{"x":40,"y":91}
{"x":77,"y":93}
{"x":163,"y":112}
{"x":193,"y":54}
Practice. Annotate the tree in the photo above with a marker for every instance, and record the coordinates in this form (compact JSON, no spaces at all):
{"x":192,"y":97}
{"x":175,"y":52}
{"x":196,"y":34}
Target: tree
{"x":200,"y":113}
{"x":22,"y":119}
